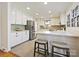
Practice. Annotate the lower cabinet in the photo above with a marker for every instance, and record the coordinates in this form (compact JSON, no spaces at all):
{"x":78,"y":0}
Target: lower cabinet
{"x":12,"y":41}
{"x":26,"y":36}
{"x":19,"y":37}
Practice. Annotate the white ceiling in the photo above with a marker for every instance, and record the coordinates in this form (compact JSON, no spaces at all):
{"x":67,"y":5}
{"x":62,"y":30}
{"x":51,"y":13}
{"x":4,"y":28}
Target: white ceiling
{"x":39,"y":7}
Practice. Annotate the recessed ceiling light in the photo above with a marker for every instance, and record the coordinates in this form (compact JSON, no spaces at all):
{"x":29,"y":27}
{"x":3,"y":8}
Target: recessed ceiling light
{"x":28,"y":8}
{"x":49,"y":11}
{"x":45,"y":3}
{"x":37,"y":13}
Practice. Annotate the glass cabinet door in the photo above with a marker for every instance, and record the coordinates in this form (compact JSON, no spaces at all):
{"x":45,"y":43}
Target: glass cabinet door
{"x":73,"y":18}
{"x":68,"y":20}
{"x":78,"y":21}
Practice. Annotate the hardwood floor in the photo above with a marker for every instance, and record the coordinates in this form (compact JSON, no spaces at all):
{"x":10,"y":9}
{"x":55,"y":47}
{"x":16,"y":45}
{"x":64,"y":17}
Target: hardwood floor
{"x":25,"y":49}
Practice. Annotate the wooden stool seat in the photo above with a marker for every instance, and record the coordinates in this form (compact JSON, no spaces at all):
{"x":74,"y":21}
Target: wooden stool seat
{"x":41,"y":41}
{"x":60,"y":46}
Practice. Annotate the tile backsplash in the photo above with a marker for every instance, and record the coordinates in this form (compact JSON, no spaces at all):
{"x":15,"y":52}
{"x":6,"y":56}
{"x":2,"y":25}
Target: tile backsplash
{"x":15,"y":27}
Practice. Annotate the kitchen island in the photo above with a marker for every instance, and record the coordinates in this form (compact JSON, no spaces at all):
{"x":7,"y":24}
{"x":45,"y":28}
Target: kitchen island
{"x":62,"y":36}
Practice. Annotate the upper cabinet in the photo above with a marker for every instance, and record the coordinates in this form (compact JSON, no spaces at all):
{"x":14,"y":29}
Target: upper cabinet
{"x":73,"y":17}
{"x":24,"y":19}
{"x":13,"y":16}
{"x":76,"y":11}
{"x":68,"y":20}
{"x":17,"y":17}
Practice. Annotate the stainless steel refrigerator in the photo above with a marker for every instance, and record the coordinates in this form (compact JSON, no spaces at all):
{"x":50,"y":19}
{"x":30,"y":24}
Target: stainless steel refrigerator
{"x":31,"y":27}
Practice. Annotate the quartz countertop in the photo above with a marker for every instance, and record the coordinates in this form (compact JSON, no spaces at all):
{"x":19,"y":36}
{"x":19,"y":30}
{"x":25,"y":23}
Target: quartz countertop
{"x":62,"y":33}
{"x":20,"y":31}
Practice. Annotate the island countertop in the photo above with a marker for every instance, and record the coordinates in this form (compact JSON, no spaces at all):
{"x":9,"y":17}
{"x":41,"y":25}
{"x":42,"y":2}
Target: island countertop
{"x":61,"y":33}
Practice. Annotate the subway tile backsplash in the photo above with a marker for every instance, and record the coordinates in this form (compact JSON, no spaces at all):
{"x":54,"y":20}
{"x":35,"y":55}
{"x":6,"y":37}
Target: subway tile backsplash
{"x":15,"y":27}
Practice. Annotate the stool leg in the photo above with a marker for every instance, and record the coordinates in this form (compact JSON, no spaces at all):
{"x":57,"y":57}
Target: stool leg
{"x":52,"y":51}
{"x":68,"y":53}
{"x":38,"y":47}
{"x":47,"y":49}
{"x":34,"y":48}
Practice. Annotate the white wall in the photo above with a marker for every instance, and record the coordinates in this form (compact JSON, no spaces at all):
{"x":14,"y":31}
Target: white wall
{"x":63,"y":18}
{"x":0,"y":24}
{"x":4,"y":27}
{"x":55,"y":21}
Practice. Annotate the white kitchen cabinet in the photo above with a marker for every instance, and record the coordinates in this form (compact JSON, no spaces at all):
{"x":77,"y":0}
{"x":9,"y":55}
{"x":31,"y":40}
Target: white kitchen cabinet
{"x":18,"y":37}
{"x":13,"y":17}
{"x":26,"y":35}
{"x":24,"y":19}
{"x":18,"y":17}
{"x":13,"y":39}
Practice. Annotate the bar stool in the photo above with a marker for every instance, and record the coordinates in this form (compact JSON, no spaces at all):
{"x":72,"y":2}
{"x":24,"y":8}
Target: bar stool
{"x":60,"y":46}
{"x":41,"y":47}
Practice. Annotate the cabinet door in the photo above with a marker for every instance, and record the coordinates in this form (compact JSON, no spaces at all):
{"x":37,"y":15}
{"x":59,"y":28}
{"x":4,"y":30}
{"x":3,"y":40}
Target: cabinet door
{"x":13,"y":16}
{"x":18,"y":17}
{"x":16,"y":38}
{"x":24,"y":36}
{"x":19,"y":37}
{"x":27,"y":35}
{"x":24,"y":19}
{"x":13,"y":39}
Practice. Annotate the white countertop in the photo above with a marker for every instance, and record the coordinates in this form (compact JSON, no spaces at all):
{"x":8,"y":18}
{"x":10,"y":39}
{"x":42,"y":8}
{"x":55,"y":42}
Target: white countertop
{"x":62,"y":33}
{"x":20,"y":31}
